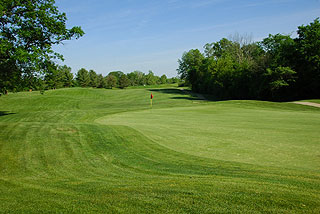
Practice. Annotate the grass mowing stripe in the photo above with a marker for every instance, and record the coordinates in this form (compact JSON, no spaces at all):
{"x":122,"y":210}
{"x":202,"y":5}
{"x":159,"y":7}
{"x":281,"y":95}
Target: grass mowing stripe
{"x":100,"y":151}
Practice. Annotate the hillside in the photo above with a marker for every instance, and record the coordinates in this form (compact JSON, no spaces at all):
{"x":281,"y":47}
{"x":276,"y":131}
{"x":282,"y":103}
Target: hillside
{"x":83,"y":150}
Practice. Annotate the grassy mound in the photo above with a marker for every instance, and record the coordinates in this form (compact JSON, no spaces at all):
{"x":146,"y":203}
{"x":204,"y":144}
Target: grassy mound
{"x":105,"y":151}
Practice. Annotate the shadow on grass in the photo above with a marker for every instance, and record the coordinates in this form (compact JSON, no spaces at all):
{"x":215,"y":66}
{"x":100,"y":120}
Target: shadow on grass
{"x":168,"y":91}
{"x":4,"y":113}
{"x":186,"y":98}
{"x":192,"y":95}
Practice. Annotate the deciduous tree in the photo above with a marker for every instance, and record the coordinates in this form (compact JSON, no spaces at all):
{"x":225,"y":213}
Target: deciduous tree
{"x":111,"y":81}
{"x":163,"y":79}
{"x":28,"y":30}
{"x":123,"y":81}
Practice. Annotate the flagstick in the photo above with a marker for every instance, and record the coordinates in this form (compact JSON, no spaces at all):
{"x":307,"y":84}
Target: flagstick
{"x":151,"y":103}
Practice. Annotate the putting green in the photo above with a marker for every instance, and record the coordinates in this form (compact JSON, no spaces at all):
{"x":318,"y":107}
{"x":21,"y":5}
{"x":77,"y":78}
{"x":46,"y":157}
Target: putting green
{"x":233,"y":132}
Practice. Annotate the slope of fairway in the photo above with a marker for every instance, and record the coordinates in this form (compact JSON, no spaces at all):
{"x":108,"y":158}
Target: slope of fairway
{"x":234,"y":131}
{"x":105,"y":151}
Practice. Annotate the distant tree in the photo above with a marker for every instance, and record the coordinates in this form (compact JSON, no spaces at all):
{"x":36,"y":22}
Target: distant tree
{"x":216,"y":49}
{"x":150,"y":78}
{"x":157,"y":80}
{"x":54,"y":78}
{"x":124,"y":81}
{"x":189,"y":67}
{"x":136,"y":78}
{"x":102,"y":82}
{"x":67,"y":76}
{"x":163,"y":79}
{"x":226,"y":69}
{"x":83,"y":78}
{"x":278,"y":79}
{"x":93,"y":78}
{"x":29,"y":81}
{"x":141,"y":77}
{"x":117,"y":75}
{"x":279,"y":50}
{"x":111,"y":81}
{"x":173,"y":80}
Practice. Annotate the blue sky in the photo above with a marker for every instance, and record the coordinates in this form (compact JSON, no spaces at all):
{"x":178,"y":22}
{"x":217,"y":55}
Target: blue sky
{"x":144,"y":35}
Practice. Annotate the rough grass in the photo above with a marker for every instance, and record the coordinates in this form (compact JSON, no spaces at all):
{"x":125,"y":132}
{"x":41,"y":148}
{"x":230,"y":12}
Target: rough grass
{"x":105,"y":151}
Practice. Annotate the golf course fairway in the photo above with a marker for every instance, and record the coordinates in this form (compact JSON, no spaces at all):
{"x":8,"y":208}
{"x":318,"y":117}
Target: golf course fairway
{"x":84,"y":150}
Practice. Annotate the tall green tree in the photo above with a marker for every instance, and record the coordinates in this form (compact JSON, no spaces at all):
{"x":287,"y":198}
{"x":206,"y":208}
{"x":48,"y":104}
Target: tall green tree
{"x":83,"y":78}
{"x":124,"y":81}
{"x":135,"y":78}
{"x":217,"y":49}
{"x":28,"y":31}
{"x":189,"y":67}
{"x":102,"y":82}
{"x":173,"y":80}
{"x":111,"y":81}
{"x":117,"y":75}
{"x":30,"y":81}
{"x":163,"y":79}
{"x":279,"y":49}
{"x":93,"y":79}
{"x":54,"y":78}
{"x":307,"y":62}
{"x":151,"y":79}
{"x":67,"y":78}
{"x":279,"y":79}
{"x":141,"y":77}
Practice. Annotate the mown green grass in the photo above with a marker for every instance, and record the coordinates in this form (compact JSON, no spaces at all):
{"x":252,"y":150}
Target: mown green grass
{"x":105,"y":151}
{"x":230,"y":131}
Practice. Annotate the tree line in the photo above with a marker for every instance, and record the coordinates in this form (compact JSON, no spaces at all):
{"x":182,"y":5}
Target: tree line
{"x":62,"y":77}
{"x":277,"y":68}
